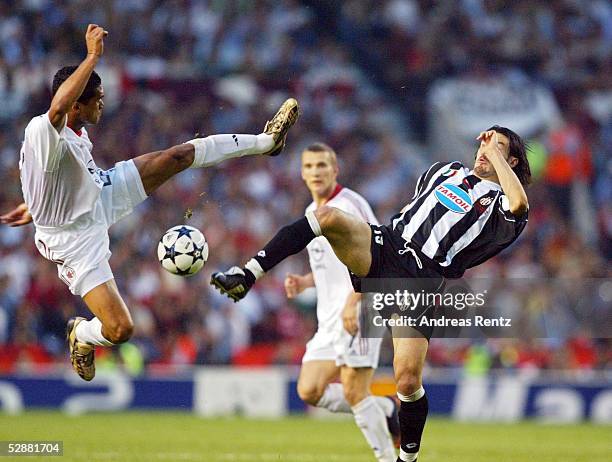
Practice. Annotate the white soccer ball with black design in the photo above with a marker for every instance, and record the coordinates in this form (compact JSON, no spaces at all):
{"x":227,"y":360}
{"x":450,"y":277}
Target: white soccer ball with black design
{"x":182,"y":250}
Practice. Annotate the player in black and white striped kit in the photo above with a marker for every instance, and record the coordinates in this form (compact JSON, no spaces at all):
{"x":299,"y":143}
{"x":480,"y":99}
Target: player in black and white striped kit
{"x":457,"y":219}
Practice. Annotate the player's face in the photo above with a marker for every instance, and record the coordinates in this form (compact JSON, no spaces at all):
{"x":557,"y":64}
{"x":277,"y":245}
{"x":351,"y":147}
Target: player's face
{"x":483,"y":167}
{"x":91,"y":111}
{"x":319,"y":172}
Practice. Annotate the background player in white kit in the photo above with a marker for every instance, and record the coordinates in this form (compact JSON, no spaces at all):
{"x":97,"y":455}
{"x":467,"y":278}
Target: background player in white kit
{"x":73,"y":202}
{"x":337,"y":349}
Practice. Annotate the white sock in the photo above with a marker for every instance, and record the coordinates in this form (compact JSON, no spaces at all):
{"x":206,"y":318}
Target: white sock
{"x":333,"y":399}
{"x":314,"y":223}
{"x":254,"y":267}
{"x":412,"y":397}
{"x":371,"y":420}
{"x":91,"y":332}
{"x":385,"y":404}
{"x":408,"y":456}
{"x":217,"y":148}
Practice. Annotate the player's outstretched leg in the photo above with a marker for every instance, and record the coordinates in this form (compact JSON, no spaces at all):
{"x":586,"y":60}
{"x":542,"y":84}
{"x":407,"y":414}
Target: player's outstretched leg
{"x":348,"y":236}
{"x":157,"y":167}
{"x":217,"y":148}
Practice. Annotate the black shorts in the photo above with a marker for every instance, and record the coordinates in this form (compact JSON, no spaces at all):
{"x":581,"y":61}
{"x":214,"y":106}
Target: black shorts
{"x":392,"y":259}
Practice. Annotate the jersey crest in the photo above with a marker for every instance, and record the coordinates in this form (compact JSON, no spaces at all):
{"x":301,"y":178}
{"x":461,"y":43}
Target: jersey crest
{"x":317,"y":251}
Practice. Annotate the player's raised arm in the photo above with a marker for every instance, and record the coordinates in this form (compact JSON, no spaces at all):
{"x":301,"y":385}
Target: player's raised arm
{"x":70,"y":91}
{"x":511,"y":185}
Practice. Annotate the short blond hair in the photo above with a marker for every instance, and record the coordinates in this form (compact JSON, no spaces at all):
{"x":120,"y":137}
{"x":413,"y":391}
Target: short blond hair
{"x":322,"y":147}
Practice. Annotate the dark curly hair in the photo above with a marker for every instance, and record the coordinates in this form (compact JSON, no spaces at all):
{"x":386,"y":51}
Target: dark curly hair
{"x":518,"y":149}
{"x":90,"y":89}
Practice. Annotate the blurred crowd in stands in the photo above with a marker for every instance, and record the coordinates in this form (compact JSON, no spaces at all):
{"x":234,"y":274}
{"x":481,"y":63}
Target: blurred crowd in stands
{"x":361,"y":71}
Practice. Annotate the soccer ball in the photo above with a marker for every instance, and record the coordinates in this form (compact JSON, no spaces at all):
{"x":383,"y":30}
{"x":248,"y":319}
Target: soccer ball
{"x":182,"y":250}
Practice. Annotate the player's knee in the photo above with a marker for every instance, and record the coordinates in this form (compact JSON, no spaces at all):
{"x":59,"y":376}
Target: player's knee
{"x":181,"y":156}
{"x":327,"y":217}
{"x":309,"y":393}
{"x":120,"y":332}
{"x":408,"y":380}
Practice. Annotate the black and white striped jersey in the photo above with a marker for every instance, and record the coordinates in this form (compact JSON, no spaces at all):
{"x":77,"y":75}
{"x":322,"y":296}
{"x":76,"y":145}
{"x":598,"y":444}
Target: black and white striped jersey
{"x":457,"y":220}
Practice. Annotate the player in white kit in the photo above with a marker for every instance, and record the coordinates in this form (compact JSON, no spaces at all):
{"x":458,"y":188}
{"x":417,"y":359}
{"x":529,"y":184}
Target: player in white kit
{"x":337,"y":350}
{"x":73,"y":202}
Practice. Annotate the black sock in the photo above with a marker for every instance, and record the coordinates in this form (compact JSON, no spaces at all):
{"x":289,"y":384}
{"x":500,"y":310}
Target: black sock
{"x":412,"y":417}
{"x":288,"y":241}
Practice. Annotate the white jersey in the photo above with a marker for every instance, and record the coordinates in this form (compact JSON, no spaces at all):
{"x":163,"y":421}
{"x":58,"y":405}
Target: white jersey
{"x":59,"y":178}
{"x":331,"y":277}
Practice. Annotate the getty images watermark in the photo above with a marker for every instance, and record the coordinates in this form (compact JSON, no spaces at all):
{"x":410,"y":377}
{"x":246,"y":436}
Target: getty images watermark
{"x":487,"y":307}
{"x":409,"y":302}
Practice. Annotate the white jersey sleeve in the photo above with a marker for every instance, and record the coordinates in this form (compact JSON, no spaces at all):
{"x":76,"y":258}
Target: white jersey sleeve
{"x":45,"y":141}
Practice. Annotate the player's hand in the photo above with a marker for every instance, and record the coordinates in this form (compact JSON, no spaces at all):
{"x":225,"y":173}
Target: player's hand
{"x":350,"y":316}
{"x":294,"y":285}
{"x":489,"y":143}
{"x":95,"y":39}
{"x":486,"y":137}
{"x":19,"y":216}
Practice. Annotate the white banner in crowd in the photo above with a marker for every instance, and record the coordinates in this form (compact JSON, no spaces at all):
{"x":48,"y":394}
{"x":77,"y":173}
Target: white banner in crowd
{"x":460,"y":108}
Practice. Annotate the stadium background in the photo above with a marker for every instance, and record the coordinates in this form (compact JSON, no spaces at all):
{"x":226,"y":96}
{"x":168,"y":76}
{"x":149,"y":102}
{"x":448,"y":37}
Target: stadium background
{"x":392,"y":85}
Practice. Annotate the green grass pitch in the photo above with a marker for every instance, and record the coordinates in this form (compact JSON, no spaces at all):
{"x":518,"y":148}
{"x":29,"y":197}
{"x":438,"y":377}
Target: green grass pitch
{"x":179,"y":437}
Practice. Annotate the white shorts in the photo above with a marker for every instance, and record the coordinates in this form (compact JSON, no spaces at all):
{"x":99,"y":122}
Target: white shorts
{"x":81,"y":249}
{"x":343,"y":348}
